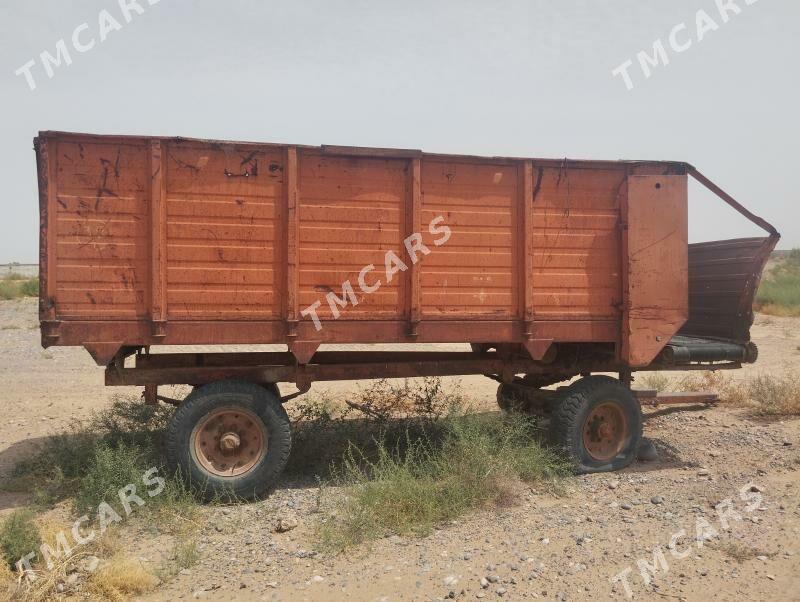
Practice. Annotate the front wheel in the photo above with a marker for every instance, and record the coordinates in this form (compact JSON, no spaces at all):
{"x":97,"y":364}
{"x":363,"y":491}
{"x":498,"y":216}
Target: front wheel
{"x":597,"y":422}
{"x":229,"y":439}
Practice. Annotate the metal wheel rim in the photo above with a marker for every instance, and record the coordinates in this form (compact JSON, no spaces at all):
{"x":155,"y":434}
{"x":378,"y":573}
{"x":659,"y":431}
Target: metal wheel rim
{"x":229,"y":442}
{"x":605,"y":431}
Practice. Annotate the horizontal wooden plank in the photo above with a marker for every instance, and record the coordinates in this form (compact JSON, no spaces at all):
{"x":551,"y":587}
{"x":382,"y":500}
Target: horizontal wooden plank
{"x":220,"y":232}
{"x":232,"y":209}
{"x":219,"y":298}
{"x":361,"y":236}
{"x":101,"y":229}
{"x":96,"y":295}
{"x":486,"y":279}
{"x":464,"y":258}
{"x":230,"y":170}
{"x":587,"y":280}
{"x":227,"y":253}
{"x":479,"y":218}
{"x":86,"y":205}
{"x":221,"y":275}
{"x":124,"y":276}
{"x":350,"y":214}
{"x":74,"y":249}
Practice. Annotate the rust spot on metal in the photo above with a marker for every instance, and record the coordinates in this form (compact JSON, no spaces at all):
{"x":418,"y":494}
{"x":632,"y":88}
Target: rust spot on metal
{"x":184,"y":164}
{"x":248,"y":158}
{"x":538,"y":186}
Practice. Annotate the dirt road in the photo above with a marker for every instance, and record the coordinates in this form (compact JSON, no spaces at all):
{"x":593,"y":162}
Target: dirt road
{"x":569,"y":547}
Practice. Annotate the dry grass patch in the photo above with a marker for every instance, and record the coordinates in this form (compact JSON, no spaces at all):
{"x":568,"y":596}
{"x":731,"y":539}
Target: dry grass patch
{"x":770,"y":395}
{"x":14,"y":286}
{"x":422,"y":398}
{"x":705,"y":380}
{"x":77,"y":470}
{"x":656,"y":381}
{"x":121,"y":578}
{"x":184,"y":555}
{"x":63,"y":561}
{"x":767,"y":395}
{"x":8,"y":582}
{"x":775,"y":309}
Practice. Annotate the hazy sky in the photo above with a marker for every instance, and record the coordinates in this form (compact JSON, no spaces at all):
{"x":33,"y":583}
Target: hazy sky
{"x":521,"y":78}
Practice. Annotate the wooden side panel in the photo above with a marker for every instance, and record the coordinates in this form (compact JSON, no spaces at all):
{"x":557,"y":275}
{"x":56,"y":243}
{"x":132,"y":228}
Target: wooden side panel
{"x":576,"y":243}
{"x":473,"y":273}
{"x":101,"y":230}
{"x":223,"y":230}
{"x":351,"y":212}
{"x":657,"y":280}
{"x":174,"y":241}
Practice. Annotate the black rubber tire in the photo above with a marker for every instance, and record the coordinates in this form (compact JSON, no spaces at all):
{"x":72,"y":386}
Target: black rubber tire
{"x":509,"y":400}
{"x":230,"y":393}
{"x":570,"y":413}
{"x":480,"y":347}
{"x":539,"y":381}
{"x":273,"y":388}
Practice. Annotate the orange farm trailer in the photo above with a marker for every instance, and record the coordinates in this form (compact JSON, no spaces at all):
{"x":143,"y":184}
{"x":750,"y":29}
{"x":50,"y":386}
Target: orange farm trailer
{"x":547,"y":269}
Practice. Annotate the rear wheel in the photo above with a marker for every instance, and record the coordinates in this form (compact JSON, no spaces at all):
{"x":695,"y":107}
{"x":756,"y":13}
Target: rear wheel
{"x":597,"y":422}
{"x":528,"y":394}
{"x":510,"y":399}
{"x":230,"y":438}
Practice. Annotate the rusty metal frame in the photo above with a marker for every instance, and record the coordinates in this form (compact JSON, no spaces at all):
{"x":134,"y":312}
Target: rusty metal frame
{"x":756,"y":267}
{"x":759,"y":221}
{"x":654,"y":399}
{"x":46,"y":169}
{"x":272,"y":367}
{"x":746,"y":300}
{"x":232,"y":332}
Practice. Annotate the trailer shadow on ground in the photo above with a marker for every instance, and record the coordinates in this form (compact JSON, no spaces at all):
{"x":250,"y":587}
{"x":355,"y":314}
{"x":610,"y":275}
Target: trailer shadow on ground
{"x":669,"y":457}
{"x":12,"y":494}
{"x":667,"y":410}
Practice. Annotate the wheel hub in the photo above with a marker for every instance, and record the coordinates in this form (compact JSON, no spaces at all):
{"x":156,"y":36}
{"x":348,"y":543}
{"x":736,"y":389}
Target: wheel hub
{"x":229,"y":442}
{"x":605,"y":431}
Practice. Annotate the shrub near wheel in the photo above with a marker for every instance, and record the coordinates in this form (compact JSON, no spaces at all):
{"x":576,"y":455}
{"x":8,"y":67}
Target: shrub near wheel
{"x":230,"y":438}
{"x":598,"y":424}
